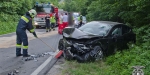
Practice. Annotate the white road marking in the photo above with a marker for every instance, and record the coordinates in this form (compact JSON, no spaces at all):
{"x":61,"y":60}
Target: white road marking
{"x":44,"y":64}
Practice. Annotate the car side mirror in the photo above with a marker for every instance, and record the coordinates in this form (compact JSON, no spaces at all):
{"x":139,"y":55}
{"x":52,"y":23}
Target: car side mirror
{"x":115,"y":36}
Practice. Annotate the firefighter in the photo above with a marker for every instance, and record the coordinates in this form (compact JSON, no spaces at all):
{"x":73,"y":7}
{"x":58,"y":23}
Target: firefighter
{"x":47,"y":20}
{"x":53,"y":21}
{"x":25,"y":23}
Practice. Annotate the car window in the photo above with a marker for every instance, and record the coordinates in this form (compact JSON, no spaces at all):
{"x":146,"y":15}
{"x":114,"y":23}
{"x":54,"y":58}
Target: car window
{"x":96,"y":28}
{"x":117,"y":31}
{"x":125,"y":29}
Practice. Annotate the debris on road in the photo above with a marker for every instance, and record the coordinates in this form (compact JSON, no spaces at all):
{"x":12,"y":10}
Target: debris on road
{"x":14,"y":72}
{"x":52,"y":62}
{"x":34,"y":57}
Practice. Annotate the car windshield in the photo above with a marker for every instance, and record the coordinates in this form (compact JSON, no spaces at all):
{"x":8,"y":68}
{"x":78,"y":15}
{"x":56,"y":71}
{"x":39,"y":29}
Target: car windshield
{"x":43,"y":8}
{"x":96,"y":28}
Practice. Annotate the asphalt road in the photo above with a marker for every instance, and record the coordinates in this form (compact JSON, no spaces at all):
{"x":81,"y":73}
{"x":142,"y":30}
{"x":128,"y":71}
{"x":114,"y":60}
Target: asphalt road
{"x":9,"y":62}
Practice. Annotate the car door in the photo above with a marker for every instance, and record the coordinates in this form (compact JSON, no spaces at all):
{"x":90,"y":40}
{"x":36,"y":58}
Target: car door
{"x":127,"y":34}
{"x":117,"y":37}
{"x":114,"y":39}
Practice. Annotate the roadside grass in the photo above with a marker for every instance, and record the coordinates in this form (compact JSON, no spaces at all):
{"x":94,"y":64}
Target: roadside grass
{"x":75,"y":68}
{"x":7,"y":27}
{"x":118,"y":64}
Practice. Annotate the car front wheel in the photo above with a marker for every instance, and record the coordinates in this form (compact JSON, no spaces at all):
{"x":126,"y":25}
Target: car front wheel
{"x":99,"y":55}
{"x":67,"y":55}
{"x":60,"y":45}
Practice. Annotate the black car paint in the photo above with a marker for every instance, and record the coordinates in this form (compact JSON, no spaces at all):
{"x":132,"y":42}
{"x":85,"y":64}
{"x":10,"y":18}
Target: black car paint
{"x":108,"y":43}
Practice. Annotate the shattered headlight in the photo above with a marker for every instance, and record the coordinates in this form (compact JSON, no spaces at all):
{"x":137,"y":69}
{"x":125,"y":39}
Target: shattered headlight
{"x":69,"y":42}
{"x":82,"y":46}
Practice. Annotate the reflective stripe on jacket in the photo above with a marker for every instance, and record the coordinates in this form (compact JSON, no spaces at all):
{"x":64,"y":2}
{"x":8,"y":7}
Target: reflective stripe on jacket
{"x":25,"y":23}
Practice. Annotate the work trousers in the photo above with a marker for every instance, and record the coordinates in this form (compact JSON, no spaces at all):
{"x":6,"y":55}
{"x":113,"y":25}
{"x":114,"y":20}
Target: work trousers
{"x":47,"y":26}
{"x":65,"y":24}
{"x":21,"y":38}
{"x":52,"y":25}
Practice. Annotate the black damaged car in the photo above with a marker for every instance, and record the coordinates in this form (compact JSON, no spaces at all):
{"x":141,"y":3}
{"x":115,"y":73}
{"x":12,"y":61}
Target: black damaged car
{"x":94,"y":40}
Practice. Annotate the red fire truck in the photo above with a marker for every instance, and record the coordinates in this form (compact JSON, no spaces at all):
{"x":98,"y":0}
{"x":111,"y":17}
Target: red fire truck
{"x":42,"y":10}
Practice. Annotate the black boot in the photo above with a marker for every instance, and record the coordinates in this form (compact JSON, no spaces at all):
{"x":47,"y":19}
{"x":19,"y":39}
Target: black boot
{"x":18,"y":52}
{"x":25,"y":53}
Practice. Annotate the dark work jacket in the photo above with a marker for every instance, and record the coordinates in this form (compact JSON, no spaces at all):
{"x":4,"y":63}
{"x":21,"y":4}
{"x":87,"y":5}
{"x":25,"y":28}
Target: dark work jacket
{"x":25,"y":23}
{"x":47,"y":19}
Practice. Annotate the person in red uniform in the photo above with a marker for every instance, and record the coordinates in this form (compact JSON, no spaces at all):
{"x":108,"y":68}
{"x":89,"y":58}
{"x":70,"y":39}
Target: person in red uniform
{"x":65,"y":20}
{"x":60,"y":26}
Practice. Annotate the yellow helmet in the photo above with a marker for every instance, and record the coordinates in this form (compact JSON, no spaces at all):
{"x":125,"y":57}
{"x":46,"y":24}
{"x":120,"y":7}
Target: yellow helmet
{"x":32,"y":13}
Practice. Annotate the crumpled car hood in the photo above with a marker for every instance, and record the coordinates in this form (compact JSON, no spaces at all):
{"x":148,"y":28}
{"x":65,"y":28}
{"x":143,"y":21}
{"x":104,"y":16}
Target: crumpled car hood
{"x":70,"y":32}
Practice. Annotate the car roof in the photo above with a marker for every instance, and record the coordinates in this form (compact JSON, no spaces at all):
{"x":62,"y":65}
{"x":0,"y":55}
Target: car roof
{"x":108,"y":22}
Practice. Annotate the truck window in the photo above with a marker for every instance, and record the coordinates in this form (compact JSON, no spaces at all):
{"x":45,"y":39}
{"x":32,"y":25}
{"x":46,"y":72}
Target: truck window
{"x":43,"y":8}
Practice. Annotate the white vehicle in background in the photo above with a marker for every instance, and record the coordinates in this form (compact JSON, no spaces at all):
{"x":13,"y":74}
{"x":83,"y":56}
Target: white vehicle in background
{"x":83,"y":19}
{"x":76,"y":21}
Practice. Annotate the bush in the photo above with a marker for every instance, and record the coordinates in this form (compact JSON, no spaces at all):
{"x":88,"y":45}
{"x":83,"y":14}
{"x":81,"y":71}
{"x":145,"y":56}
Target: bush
{"x":7,"y":27}
{"x":121,"y":63}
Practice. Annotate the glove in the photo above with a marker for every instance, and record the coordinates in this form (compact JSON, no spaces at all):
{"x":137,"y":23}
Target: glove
{"x":35,"y":36}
